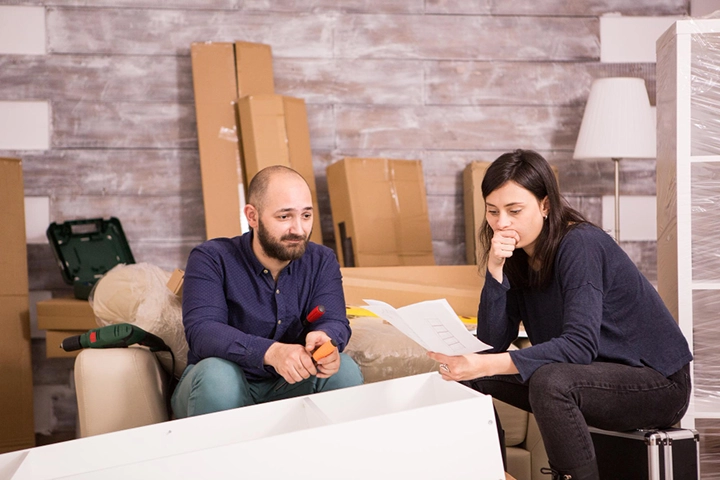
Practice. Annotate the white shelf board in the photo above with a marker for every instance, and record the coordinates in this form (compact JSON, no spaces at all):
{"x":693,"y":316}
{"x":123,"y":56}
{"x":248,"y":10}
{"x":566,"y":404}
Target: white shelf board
{"x":704,"y":158}
{"x":706,"y":286}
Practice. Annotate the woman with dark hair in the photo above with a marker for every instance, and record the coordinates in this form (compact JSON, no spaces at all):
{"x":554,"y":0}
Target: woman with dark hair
{"x":605,"y":350}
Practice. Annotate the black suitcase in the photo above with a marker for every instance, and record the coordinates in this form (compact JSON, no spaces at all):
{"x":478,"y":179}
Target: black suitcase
{"x":87,"y":249}
{"x":672,"y":453}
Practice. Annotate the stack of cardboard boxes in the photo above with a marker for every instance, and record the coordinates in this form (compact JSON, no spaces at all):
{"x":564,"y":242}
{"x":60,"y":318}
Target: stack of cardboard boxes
{"x":379,"y":206}
{"x":16,"y":388}
{"x":243,"y":127}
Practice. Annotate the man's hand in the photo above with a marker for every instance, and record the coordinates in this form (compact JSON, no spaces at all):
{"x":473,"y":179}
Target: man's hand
{"x":502,"y":247}
{"x":328,"y":365}
{"x":292,"y":362}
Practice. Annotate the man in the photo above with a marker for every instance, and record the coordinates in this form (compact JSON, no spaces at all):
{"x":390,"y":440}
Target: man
{"x":245,"y":306}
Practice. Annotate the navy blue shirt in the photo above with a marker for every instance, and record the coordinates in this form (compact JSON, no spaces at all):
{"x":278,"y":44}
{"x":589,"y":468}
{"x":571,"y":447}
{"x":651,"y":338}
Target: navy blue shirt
{"x":599,"y":307}
{"x":233,"y":309}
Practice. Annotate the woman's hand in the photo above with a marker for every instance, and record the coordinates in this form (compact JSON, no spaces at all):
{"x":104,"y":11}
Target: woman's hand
{"x":502,"y":246}
{"x":473,"y":365}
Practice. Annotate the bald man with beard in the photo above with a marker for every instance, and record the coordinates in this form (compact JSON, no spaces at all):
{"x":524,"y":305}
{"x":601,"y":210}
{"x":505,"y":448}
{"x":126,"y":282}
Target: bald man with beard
{"x":245,"y":304}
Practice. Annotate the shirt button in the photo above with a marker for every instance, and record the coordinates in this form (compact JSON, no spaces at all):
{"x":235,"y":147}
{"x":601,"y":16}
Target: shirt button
{"x":279,"y":322}
{"x":265,"y":271}
{"x":277,"y":291}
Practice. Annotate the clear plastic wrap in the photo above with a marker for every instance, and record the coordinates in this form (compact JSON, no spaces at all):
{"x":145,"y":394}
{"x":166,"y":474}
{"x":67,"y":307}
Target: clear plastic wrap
{"x":705,"y":97}
{"x":138,"y":294}
{"x":705,"y":223}
{"x":688,"y":176}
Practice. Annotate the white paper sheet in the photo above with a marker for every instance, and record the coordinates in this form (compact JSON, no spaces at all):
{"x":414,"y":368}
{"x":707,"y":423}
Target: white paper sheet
{"x":433,"y":324}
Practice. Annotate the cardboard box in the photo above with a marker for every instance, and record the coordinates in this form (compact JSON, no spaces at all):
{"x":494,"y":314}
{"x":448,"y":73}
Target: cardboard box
{"x":379,"y":427}
{"x":399,"y":286}
{"x":274,"y":131}
{"x":65,"y":314}
{"x":175,"y":284}
{"x":215,"y":88}
{"x":475,"y":207}
{"x":221,"y":73}
{"x":254,"y":70}
{"x":17,"y":429}
{"x":13,"y":253}
{"x":380,"y":214}
{"x":16,"y":388}
{"x":53,"y":339}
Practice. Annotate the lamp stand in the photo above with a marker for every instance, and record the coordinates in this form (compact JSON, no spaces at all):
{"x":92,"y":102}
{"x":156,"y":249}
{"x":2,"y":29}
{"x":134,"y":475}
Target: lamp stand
{"x":617,"y":199}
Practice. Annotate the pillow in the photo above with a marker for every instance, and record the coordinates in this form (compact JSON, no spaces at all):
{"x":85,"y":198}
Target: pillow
{"x":138,"y":294}
{"x":383,"y":352}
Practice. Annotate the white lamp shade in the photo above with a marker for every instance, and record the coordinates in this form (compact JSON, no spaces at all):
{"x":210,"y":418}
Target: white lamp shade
{"x":618,"y":121}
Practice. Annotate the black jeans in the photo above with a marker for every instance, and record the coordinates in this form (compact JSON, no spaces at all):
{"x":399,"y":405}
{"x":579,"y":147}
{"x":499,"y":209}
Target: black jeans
{"x":567,"y":398}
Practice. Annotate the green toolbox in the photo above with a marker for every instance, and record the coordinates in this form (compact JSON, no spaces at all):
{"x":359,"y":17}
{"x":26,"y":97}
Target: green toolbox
{"x":87,"y":249}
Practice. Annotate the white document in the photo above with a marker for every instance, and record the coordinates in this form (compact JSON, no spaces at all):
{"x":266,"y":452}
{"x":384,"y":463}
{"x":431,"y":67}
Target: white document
{"x":433,"y":324}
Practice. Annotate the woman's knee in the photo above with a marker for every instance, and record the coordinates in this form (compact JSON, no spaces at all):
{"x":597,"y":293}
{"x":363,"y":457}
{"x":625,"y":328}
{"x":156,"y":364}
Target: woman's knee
{"x":551,"y":381}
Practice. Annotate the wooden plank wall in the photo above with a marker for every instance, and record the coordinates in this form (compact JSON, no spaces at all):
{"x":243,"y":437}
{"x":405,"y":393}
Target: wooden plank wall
{"x":444,"y":81}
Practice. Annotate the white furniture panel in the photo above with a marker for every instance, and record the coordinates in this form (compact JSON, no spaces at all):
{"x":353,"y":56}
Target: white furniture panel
{"x":22,"y":30}
{"x":631,"y":39}
{"x":37,"y":219}
{"x":419,"y":427}
{"x":637,"y":217}
{"x":24,"y":125}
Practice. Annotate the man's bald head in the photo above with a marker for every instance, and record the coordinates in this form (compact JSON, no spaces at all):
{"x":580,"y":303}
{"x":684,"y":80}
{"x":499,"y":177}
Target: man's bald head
{"x":259,"y":184}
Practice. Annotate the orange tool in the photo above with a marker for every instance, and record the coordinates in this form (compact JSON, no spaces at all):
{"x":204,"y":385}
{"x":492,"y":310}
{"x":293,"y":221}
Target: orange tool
{"x":324,"y":350}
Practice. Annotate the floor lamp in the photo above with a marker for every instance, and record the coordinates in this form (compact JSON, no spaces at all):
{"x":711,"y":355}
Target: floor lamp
{"x":618,"y":123}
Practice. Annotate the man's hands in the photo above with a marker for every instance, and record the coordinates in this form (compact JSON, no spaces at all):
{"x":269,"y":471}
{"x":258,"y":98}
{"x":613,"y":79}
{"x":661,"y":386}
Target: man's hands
{"x":328,"y":365}
{"x":502,"y":246}
{"x":295,"y":363}
{"x":291,"y":361}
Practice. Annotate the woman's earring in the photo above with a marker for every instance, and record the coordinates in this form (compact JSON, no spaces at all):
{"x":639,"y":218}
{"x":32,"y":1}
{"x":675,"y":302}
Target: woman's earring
{"x":544,"y":217}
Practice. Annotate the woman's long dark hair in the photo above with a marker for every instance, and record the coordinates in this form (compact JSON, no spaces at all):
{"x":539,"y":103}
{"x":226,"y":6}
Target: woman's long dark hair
{"x":532,"y":172}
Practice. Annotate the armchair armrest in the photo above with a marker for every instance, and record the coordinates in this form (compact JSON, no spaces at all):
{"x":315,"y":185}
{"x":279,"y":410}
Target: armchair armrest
{"x":119,"y":388}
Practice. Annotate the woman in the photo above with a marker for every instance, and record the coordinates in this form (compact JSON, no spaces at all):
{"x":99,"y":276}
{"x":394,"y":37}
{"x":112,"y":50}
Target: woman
{"x":605,"y":350}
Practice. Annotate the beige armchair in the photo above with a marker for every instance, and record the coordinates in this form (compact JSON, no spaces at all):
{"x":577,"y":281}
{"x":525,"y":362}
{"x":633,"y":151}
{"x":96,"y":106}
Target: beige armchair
{"x":120,"y":388}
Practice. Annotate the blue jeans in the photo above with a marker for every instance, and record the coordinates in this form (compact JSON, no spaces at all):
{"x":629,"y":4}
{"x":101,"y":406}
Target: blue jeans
{"x":567,"y":398}
{"x":214,"y":385}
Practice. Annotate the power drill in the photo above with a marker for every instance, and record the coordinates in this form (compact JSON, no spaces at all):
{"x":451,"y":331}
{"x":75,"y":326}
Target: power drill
{"x":120,"y":335}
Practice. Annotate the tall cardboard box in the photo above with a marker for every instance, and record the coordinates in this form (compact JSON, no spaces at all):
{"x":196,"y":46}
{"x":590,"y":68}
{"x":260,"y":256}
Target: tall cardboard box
{"x":16,"y":391}
{"x":475,"y":207}
{"x":274,"y":131}
{"x":380,"y":214}
{"x":221,"y":73}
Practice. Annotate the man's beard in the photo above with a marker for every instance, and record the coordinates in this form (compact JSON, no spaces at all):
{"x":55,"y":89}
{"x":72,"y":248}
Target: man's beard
{"x":275,"y":249}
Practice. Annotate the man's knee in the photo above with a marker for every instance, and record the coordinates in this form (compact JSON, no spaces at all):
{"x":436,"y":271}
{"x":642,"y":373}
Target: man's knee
{"x":215,"y":374}
{"x":212,"y":385}
{"x":349,"y":375}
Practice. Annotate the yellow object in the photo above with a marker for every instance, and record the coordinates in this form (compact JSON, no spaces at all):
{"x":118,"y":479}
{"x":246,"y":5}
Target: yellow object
{"x":353,"y":312}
